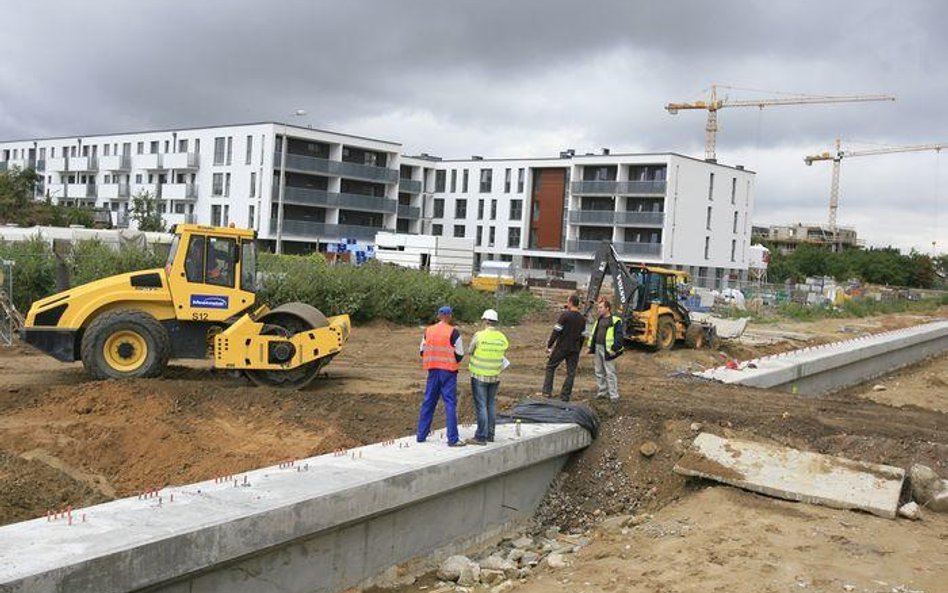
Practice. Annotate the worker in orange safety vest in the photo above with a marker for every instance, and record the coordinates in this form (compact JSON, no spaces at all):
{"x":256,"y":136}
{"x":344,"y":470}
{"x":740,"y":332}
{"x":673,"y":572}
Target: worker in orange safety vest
{"x":441,"y":351}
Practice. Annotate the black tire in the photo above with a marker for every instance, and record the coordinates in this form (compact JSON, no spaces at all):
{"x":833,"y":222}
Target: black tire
{"x":694,"y":336}
{"x":665,"y":335}
{"x":141,"y":328}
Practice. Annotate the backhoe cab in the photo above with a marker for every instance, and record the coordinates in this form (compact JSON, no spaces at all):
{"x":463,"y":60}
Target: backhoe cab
{"x":646,"y":298}
{"x":202,"y":303}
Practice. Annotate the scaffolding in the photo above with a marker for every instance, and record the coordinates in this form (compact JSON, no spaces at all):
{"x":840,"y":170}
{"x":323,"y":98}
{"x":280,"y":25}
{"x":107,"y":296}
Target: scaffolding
{"x":10,"y":319}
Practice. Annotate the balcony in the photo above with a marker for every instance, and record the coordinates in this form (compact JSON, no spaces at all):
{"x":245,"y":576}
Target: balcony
{"x":80,"y":190}
{"x":318,"y":197}
{"x":149,"y":162}
{"x":179,"y":191}
{"x":16,"y":164}
{"x":408,"y":211}
{"x":115,"y":162}
{"x":179,"y":218}
{"x":308,"y":164}
{"x":114,"y":191}
{"x":152,"y":188}
{"x":83,"y":163}
{"x":409,"y":186}
{"x":614,"y":188}
{"x":180,"y":160}
{"x":637,"y":249}
{"x":611,"y":218}
{"x":56,"y":165}
{"x":311,"y":231}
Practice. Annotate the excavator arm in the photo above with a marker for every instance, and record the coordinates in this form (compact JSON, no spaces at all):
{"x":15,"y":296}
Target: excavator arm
{"x":624,"y":284}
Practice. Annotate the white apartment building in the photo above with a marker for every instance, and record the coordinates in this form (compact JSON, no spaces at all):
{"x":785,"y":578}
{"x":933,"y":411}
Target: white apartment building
{"x":547,"y":215}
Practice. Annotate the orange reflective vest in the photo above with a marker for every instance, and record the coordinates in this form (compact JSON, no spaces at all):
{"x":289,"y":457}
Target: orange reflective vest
{"x":439,"y":352}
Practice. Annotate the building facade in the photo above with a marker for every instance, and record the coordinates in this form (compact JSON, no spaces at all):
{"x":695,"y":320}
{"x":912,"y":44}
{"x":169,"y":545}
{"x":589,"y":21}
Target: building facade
{"x":787,"y":237}
{"x":547,"y":215}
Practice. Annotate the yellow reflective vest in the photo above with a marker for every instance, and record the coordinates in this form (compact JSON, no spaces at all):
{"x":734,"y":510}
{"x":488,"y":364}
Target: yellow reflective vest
{"x":487,"y":360}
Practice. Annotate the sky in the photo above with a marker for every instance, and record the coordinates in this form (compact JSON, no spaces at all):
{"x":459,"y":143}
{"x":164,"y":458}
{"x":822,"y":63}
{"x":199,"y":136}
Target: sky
{"x":519,"y":78}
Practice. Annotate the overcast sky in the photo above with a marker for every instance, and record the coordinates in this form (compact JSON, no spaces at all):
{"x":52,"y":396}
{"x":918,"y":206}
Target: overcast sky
{"x":505,"y":78}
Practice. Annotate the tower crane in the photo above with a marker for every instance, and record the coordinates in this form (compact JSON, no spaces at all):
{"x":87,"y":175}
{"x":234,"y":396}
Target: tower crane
{"x":839,"y":154}
{"x":713,"y":104}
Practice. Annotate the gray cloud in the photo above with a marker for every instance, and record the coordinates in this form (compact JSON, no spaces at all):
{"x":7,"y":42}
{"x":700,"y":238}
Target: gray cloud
{"x":504,"y":78}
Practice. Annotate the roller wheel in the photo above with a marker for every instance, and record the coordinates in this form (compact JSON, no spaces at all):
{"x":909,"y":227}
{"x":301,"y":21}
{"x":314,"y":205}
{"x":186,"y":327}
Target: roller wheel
{"x":287,"y":320}
{"x":125,"y":344}
{"x":665,"y":337}
{"x":694,"y":336}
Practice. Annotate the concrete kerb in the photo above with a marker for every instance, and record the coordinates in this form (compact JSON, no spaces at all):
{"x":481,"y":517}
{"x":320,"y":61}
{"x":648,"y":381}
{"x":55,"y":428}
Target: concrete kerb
{"x":822,"y":369}
{"x":209,"y":530}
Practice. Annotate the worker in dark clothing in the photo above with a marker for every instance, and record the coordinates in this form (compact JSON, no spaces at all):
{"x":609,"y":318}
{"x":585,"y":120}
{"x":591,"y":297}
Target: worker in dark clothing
{"x":565,"y":344}
{"x":606,"y":344}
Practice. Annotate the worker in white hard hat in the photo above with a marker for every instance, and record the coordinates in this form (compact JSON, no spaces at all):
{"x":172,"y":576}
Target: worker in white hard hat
{"x":488,"y":360}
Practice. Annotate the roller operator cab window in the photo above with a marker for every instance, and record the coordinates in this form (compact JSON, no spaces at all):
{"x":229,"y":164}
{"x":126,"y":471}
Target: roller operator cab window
{"x":248,"y":266}
{"x":194,"y":262}
{"x":219,"y":265}
{"x":175,"y":242}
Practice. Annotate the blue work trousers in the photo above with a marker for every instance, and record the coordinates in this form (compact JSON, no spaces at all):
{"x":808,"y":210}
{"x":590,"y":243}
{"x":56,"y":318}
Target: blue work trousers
{"x":485,"y":407}
{"x":444,"y":384}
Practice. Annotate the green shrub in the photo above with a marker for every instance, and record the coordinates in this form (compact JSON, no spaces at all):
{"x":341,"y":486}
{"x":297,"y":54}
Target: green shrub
{"x":34,"y":270}
{"x":91,"y":260}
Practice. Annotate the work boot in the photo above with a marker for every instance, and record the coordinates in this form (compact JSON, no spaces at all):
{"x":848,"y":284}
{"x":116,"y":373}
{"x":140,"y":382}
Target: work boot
{"x":457,"y":444}
{"x":475,"y":442}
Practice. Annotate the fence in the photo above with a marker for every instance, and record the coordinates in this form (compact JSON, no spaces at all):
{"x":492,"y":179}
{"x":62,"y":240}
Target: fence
{"x":10,"y":319}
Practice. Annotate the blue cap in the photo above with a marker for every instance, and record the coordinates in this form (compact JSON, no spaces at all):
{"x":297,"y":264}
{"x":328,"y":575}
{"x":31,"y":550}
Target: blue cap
{"x":445,"y":310}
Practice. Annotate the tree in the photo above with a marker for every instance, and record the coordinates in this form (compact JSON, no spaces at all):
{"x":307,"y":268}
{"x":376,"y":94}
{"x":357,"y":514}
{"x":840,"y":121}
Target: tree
{"x":146,"y":213}
{"x":16,"y":193}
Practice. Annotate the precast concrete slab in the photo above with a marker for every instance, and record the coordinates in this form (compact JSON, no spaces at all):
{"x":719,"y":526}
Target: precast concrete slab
{"x":795,"y":475}
{"x":310,"y":525}
{"x":819,"y":370}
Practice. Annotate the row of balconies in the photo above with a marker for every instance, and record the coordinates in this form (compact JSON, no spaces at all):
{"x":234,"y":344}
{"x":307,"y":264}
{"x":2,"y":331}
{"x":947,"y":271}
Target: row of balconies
{"x":148,"y":162}
{"x":618,"y":188}
{"x":612,"y":218}
{"x":118,"y":191}
{"x":623,"y":247}
{"x":308,"y":230}
{"x":409,"y":186}
{"x":308,"y":164}
{"x":318,"y":197}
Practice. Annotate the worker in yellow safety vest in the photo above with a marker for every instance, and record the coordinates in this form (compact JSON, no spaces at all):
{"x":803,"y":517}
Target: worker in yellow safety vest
{"x":488,"y":360}
{"x":605,"y":344}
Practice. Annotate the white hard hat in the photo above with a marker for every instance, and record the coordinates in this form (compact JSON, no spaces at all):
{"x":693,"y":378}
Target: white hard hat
{"x":490,"y":315}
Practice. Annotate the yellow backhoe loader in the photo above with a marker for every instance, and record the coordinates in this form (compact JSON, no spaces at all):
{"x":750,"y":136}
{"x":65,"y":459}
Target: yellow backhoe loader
{"x":201,"y":304}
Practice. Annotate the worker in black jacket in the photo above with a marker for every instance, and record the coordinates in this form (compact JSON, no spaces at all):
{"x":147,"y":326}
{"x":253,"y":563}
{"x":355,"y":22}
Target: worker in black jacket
{"x":565,"y":344}
{"x":606,"y":344}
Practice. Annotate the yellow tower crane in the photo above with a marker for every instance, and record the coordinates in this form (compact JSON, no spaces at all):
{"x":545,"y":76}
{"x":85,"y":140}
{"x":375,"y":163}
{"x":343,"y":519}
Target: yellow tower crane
{"x":839,"y":154}
{"x":713,"y":104}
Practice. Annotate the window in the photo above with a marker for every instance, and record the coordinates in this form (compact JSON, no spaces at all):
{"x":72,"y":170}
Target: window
{"x":226,"y":187}
{"x":491,"y":235}
{"x":513,"y":237}
{"x":127,"y":148}
{"x":226,"y":215}
{"x":249,"y":149}
{"x":464,"y":180}
{"x":253,"y":184}
{"x":230,"y":147}
{"x":250,"y":216}
{"x":733,"y":188}
{"x":707,"y":223}
{"x":438,"y":208}
{"x":167,"y":146}
{"x":182,"y":145}
{"x":734,"y":230}
{"x":520,"y":181}
{"x":140,"y":148}
{"x":507,"y":181}
{"x":459,"y":231}
{"x":248,"y":263}
{"x":493,"y":209}
{"x":480,"y":209}
{"x":487,"y":176}
{"x":219,"y":265}
{"x":105,"y":150}
{"x":217,"y":185}
{"x":437,"y":230}
{"x":707,"y":247}
{"x":480,"y":235}
{"x":439,"y":181}
{"x":194,"y":260}
{"x":197,"y":146}
{"x":454,"y":180}
{"x":711,"y":187}
{"x":138,"y":178}
{"x":219,"y":148}
{"x":733,"y":248}
{"x":516,"y":209}
{"x":153,"y":147}
{"x":460,"y":209}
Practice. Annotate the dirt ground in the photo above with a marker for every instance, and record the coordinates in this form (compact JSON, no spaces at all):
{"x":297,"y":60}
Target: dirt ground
{"x":65,"y":439}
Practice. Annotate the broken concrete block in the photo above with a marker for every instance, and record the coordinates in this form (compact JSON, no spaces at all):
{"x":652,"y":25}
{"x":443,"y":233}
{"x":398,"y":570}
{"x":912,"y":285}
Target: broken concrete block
{"x":556,"y":561}
{"x":928,"y":488}
{"x":911,"y":511}
{"x":795,"y":475}
{"x":452,"y":568}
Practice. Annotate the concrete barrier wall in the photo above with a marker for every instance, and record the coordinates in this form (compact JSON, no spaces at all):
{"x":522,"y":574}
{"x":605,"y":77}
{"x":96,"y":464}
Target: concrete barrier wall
{"x":824,"y":369}
{"x":321,"y":524}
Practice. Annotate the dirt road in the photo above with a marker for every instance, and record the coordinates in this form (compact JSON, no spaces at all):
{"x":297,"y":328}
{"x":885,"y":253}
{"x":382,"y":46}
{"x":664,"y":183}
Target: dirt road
{"x":67,"y":440}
